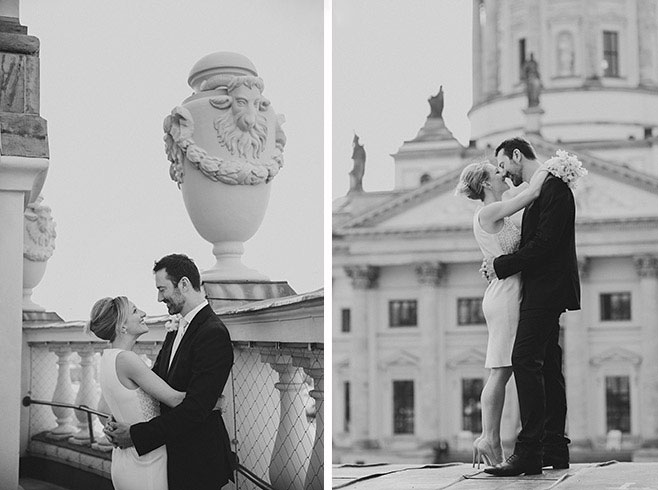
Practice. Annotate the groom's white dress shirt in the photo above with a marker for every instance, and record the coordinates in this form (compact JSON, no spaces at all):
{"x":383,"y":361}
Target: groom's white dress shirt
{"x":182,"y":328}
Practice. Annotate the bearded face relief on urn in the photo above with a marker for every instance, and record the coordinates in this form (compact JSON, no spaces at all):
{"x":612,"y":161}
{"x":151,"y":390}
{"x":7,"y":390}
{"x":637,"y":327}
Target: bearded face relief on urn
{"x":225,"y":145}
{"x":38,"y":246}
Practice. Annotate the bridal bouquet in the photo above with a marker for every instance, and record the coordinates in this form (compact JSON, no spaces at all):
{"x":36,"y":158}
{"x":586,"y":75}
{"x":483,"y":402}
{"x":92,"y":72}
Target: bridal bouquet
{"x":566,"y":166}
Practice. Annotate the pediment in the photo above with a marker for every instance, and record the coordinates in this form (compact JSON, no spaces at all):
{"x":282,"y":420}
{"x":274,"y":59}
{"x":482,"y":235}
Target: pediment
{"x":472,"y":357}
{"x":617,"y":355}
{"x":401,"y":358}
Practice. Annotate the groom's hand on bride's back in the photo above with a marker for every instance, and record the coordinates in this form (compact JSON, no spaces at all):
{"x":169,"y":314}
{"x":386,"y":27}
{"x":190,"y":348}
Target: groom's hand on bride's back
{"x":118,"y":433}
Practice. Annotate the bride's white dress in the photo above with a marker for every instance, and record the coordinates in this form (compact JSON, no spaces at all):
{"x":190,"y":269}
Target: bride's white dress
{"x":502,"y":298}
{"x":129,"y":470}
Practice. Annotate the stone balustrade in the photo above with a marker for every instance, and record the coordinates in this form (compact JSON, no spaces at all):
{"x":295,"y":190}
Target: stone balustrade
{"x":273,"y":404}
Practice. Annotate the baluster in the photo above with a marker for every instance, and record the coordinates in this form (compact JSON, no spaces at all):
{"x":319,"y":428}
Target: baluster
{"x":101,"y":443}
{"x":63,"y":394}
{"x":289,"y":456}
{"x":314,"y":367}
{"x":87,"y":393}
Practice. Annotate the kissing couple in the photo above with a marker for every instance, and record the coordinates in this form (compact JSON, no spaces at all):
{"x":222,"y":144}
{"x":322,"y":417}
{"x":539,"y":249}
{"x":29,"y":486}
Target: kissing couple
{"x":533,"y":278}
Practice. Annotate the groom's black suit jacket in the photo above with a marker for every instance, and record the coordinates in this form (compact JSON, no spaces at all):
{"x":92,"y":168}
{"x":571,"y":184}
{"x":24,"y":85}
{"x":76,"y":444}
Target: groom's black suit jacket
{"x":547,"y":255}
{"x":198,"y":447}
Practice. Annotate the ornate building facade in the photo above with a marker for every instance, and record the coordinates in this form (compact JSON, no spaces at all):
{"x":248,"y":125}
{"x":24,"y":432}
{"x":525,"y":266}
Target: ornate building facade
{"x":409,"y":338}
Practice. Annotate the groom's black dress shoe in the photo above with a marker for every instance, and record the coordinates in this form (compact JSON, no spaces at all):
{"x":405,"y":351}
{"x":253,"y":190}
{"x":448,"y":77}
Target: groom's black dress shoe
{"x":556,"y":462}
{"x":515,"y":465}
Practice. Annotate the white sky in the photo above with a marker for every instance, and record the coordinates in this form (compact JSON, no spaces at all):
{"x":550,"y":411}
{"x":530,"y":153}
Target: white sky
{"x":110,"y":73}
{"x":389,"y":57}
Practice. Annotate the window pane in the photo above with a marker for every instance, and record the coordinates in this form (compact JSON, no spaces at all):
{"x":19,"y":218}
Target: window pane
{"x":346,"y":321}
{"x":615,"y":306}
{"x":402,"y":313}
{"x":469,"y":311}
{"x":403,"y":407}
{"x":471,"y":408}
{"x":610,"y":54}
{"x":618,"y":403}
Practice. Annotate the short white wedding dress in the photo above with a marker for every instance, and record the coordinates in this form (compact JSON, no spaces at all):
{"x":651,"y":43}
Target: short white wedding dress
{"x":129,"y":470}
{"x":502,"y":298}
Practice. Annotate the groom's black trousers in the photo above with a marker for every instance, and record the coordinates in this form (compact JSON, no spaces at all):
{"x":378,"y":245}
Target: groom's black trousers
{"x":537,"y":365}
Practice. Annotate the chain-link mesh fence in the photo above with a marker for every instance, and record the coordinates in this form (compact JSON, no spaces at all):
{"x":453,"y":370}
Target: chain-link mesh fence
{"x":273,"y":448}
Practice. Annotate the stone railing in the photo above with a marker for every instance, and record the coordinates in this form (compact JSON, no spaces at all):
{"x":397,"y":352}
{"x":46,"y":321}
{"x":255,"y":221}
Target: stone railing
{"x":273,"y":401}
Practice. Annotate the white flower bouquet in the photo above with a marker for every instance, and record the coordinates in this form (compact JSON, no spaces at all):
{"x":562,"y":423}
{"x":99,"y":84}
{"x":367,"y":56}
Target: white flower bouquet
{"x":565,"y":166}
{"x":171,"y":325}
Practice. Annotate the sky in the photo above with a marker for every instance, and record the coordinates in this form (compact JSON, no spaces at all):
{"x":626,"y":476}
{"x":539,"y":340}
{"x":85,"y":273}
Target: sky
{"x":389,"y":57}
{"x":110,"y":73}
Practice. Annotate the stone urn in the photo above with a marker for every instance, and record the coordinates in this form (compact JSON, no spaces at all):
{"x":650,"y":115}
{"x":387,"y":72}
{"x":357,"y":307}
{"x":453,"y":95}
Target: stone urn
{"x":38,"y":247}
{"x":225,"y":145}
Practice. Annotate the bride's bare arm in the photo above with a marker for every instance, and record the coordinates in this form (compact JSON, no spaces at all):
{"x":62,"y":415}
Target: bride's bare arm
{"x":133,"y":368}
{"x":498,"y":210}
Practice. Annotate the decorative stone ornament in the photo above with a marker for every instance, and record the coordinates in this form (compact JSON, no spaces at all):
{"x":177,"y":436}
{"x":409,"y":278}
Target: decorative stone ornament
{"x":225,"y":145}
{"x":38,"y":247}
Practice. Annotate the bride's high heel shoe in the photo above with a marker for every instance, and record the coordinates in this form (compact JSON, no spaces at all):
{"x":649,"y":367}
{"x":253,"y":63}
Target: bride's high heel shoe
{"x":485,"y":453}
{"x":475,"y":450}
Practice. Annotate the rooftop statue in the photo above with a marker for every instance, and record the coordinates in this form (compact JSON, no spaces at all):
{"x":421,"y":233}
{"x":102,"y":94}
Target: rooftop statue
{"x":359,"y":158}
{"x":532,"y":81}
{"x":436,"y":104}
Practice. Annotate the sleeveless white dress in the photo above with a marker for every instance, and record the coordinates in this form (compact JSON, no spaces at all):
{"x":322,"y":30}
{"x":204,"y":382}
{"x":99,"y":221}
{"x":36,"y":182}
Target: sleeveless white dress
{"x":502,"y":298}
{"x":129,"y":470}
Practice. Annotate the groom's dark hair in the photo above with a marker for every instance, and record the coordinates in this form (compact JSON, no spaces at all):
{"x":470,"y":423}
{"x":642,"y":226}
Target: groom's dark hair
{"x":517,"y":143}
{"x":178,"y":266}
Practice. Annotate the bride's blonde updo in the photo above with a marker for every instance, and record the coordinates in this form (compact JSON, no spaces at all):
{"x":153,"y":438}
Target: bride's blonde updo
{"x":472,"y":179}
{"x":106,"y":315}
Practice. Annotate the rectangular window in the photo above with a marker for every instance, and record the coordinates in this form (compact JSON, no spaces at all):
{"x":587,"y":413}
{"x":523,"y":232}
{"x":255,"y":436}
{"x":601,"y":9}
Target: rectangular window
{"x":346,"y":320}
{"x":618,"y":403}
{"x":522,"y":57}
{"x":402,"y":313}
{"x":471,"y":408}
{"x":403,"y":407}
{"x":615,"y":306}
{"x":610,"y":54}
{"x":469,"y":311}
{"x":346,"y":396}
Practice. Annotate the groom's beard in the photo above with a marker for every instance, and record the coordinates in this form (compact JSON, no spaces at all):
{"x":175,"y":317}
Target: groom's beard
{"x":517,"y":180}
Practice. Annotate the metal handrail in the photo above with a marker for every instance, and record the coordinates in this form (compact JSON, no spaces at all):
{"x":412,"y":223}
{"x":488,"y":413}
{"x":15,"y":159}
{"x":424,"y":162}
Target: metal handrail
{"x":27,"y":401}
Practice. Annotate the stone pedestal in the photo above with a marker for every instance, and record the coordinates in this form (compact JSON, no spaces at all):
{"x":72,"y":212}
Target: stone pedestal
{"x":533,"y":119}
{"x":222,"y":294}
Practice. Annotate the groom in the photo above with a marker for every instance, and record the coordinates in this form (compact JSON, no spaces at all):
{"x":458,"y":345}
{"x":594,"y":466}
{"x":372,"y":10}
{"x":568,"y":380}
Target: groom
{"x":197,"y":359}
{"x":547,"y":262}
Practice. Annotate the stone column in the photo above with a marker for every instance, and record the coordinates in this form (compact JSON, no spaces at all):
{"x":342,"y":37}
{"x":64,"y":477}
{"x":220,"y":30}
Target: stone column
{"x":23,"y":165}
{"x":293,"y":443}
{"x":492,"y":47}
{"x":87,"y":393}
{"x":429,"y":276}
{"x":646,"y":36}
{"x":63,"y":394}
{"x":576,"y":365}
{"x":647,"y":269}
{"x":593,"y":55}
{"x":363,"y":279}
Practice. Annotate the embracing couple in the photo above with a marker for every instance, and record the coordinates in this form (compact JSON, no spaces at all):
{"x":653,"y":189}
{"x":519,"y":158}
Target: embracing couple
{"x":533,"y":279}
{"x":166,"y":424}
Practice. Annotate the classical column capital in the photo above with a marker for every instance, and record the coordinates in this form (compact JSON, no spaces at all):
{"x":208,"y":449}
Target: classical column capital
{"x":646,"y":265}
{"x":363,"y":276}
{"x":430,"y":273}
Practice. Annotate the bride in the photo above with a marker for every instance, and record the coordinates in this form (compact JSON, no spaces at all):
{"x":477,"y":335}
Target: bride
{"x":131,"y":390}
{"x":496,"y":235}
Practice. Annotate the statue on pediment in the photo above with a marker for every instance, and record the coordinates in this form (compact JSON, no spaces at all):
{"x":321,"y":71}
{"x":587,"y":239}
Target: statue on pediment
{"x":436,"y":104}
{"x":359,"y":168}
{"x":532,"y":81}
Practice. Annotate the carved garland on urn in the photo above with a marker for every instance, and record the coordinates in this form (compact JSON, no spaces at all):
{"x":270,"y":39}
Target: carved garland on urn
{"x":241,"y":131}
{"x":39,"y":236}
